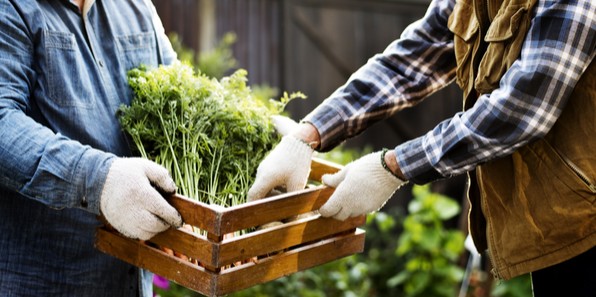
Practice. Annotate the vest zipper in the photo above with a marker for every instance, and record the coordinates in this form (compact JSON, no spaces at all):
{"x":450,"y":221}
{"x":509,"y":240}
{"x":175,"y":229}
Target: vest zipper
{"x":579,"y":173}
{"x":489,"y":253}
{"x":493,"y":269}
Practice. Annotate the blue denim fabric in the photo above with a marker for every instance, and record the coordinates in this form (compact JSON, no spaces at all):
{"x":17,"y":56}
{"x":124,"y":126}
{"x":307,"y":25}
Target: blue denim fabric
{"x":62,"y":79}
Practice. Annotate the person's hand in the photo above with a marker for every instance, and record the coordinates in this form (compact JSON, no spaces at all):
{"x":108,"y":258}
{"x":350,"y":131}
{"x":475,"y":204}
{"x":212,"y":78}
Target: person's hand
{"x":287,"y":165}
{"x":363,"y":186}
{"x":131,"y":202}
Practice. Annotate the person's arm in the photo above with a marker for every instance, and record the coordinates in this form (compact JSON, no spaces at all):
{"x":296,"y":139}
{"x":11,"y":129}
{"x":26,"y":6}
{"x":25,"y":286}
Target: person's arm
{"x":63,"y":173}
{"x":34,"y":161}
{"x":531,"y":96}
{"x":168,"y":55}
{"x":411,"y":68}
{"x":524,"y":108}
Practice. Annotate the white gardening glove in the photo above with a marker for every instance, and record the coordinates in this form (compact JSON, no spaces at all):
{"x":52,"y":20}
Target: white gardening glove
{"x":131,"y":204}
{"x":283,"y":125}
{"x":362,"y":186}
{"x":287,"y":165}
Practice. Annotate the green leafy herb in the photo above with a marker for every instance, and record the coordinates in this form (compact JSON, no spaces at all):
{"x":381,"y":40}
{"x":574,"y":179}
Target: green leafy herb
{"x":210,"y":134}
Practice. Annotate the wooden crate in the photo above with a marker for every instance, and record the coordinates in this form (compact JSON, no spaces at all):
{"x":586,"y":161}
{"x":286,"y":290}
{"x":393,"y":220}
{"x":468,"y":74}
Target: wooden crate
{"x":232,"y":263}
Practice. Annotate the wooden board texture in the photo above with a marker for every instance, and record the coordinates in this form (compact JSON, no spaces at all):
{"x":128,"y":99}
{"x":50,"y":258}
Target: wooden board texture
{"x":228,"y":254}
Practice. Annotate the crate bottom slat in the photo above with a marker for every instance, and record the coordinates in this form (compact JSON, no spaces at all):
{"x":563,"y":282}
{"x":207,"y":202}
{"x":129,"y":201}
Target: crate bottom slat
{"x":232,"y":279}
{"x":141,"y":255}
{"x":284,"y":236}
{"x":286,"y":263}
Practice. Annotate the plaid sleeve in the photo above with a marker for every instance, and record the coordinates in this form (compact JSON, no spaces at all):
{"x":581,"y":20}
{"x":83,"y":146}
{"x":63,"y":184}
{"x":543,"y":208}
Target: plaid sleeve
{"x":559,"y":46}
{"x":411,"y":68}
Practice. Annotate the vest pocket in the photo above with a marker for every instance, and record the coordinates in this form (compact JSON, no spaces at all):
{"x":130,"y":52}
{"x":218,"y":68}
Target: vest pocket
{"x":583,"y":177}
{"x":557,"y":169}
{"x":526,"y":197}
{"x":464,"y":25}
{"x":505,"y":37}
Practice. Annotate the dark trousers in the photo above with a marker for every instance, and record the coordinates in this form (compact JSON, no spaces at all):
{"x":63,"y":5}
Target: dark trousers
{"x":574,"y":278}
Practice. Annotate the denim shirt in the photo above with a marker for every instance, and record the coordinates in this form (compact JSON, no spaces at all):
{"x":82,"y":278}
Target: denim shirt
{"x":62,"y":79}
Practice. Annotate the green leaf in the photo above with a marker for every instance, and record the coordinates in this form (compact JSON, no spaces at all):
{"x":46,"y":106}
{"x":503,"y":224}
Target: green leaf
{"x":446,"y":208}
{"x":399,"y":279}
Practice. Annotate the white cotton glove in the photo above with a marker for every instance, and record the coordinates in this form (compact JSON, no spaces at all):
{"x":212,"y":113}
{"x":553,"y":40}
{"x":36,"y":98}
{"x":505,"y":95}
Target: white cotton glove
{"x":283,"y":125}
{"x":287,"y":165}
{"x":363,"y":186}
{"x":131,"y":204}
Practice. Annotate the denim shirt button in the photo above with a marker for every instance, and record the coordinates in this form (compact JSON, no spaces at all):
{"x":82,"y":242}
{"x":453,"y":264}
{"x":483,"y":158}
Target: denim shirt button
{"x":100,"y":62}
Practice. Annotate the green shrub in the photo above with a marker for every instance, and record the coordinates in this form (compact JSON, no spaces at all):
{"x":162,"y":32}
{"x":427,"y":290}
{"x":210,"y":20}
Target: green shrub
{"x":431,"y":252}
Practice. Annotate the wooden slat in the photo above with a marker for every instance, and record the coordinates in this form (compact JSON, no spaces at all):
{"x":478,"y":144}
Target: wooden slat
{"x":270,"y":209}
{"x":318,"y":167}
{"x":245,"y":276}
{"x":253,"y":244}
{"x":195,"y":213}
{"x":219,"y":220}
{"x":282,"y":237}
{"x":143,"y":256}
{"x":189,"y":244}
{"x":232,"y":279}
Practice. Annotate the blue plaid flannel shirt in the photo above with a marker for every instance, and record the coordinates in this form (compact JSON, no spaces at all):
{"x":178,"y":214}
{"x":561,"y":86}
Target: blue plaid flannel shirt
{"x":558,"y":48}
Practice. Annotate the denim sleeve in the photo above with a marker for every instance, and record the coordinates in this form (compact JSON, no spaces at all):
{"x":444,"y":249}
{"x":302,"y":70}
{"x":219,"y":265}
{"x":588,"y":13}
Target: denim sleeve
{"x":34,"y":161}
{"x":167,"y":51}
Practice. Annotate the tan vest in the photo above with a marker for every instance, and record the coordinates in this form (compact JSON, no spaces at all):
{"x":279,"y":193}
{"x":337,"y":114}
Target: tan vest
{"x":536,"y":207}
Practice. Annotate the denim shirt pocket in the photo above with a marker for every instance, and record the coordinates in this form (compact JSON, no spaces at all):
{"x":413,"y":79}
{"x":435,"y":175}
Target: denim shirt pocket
{"x":67,"y":83}
{"x":137,"y":49}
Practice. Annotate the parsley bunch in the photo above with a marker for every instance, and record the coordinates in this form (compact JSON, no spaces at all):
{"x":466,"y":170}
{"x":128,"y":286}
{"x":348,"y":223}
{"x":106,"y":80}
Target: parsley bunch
{"x":210,"y":134}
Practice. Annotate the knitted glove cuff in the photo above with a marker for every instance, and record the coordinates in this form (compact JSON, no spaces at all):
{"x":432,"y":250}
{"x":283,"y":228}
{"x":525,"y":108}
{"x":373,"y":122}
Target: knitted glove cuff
{"x":292,"y":145}
{"x":379,"y":171}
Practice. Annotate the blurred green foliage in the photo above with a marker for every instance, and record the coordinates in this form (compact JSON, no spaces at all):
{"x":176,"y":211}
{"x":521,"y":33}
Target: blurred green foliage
{"x":520,"y":286}
{"x":431,"y":252}
{"x":216,"y":62}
